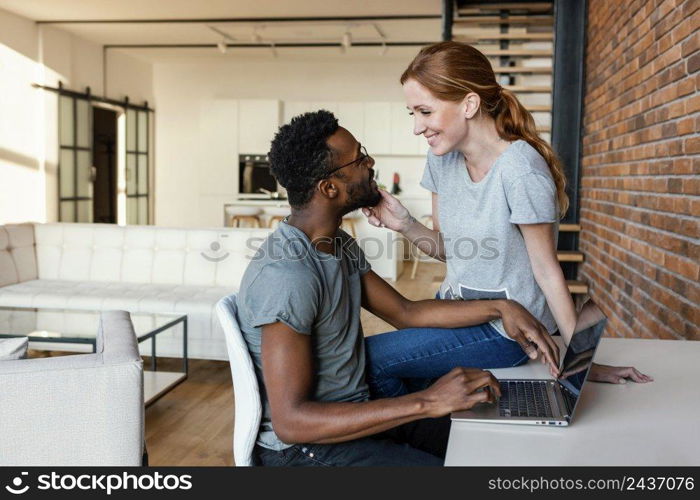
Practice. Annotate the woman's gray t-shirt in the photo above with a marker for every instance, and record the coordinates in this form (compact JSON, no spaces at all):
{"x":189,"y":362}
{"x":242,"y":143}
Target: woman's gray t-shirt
{"x":486,"y":253}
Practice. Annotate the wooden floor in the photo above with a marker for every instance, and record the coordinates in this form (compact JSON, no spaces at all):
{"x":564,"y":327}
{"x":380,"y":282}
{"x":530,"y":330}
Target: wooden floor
{"x":193,"y":424}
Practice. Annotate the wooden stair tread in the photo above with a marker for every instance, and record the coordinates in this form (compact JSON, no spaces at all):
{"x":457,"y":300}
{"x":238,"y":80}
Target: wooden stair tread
{"x":522,"y":69}
{"x":528,"y":88}
{"x":569,"y":228}
{"x":467,"y":37}
{"x":532,"y":7}
{"x":569,"y":256}
{"x":517,"y":52}
{"x":472,"y":20}
{"x":532,"y":108}
{"x":577,"y":287}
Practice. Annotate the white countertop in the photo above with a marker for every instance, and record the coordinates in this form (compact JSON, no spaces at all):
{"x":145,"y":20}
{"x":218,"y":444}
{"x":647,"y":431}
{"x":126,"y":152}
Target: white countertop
{"x":630,"y":424}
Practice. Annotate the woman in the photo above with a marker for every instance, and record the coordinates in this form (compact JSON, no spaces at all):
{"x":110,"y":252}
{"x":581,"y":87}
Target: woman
{"x":498,"y":194}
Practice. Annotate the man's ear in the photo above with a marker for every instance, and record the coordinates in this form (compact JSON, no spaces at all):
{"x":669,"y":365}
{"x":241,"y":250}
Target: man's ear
{"x":471,"y":104}
{"x":328,"y":188}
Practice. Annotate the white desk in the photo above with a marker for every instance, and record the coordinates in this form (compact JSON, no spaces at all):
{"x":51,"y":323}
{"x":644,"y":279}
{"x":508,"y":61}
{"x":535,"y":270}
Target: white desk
{"x":632,"y":424}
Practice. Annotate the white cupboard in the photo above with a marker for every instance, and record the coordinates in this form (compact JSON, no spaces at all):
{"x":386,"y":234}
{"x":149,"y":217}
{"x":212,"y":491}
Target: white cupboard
{"x":377,"y":128}
{"x":258,"y":121}
{"x":351,"y":116}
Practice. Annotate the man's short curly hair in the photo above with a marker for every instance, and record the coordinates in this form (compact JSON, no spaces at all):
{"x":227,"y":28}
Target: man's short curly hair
{"x":299,"y":155}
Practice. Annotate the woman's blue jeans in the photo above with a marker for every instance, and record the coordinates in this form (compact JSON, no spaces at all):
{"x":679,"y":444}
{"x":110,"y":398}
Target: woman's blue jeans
{"x":408,"y":360}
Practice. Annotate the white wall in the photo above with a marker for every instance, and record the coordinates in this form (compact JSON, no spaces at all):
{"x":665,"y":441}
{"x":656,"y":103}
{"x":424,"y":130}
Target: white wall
{"x":21,"y":174}
{"x":29,"y":117}
{"x":184,"y":91}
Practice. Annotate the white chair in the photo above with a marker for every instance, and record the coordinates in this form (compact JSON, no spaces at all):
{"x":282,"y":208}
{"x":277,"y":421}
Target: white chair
{"x":427,"y":221}
{"x":80,"y":410}
{"x":247,"y":407}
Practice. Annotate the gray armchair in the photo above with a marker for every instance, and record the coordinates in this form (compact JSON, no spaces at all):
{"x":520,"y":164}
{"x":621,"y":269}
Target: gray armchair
{"x":84,"y":409}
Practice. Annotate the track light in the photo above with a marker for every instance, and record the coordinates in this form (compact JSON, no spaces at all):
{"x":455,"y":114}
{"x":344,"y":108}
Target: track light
{"x":346,"y":42}
{"x":222,"y":46}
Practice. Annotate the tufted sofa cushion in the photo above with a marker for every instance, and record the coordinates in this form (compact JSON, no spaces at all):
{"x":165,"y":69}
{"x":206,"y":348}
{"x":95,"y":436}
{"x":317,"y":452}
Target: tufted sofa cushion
{"x":145,"y":254}
{"x":17,"y":255}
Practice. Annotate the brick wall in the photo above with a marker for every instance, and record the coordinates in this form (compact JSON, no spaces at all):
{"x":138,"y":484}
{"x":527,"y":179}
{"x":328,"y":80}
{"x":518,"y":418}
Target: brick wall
{"x":640,"y":177}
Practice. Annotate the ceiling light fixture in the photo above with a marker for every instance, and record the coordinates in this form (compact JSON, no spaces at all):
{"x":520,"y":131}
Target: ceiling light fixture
{"x":222,"y":46}
{"x":346,"y":41}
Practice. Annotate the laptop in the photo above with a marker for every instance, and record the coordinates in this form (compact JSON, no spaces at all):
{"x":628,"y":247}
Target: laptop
{"x":542,"y":401}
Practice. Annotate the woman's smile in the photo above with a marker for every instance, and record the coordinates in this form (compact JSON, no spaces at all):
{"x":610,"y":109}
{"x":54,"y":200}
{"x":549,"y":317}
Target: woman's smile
{"x":432,"y":139}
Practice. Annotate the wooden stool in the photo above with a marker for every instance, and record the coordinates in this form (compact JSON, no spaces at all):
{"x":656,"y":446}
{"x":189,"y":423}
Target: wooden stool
{"x":427,"y":221}
{"x":349,"y":222}
{"x":242,"y":214}
{"x":276,"y":214}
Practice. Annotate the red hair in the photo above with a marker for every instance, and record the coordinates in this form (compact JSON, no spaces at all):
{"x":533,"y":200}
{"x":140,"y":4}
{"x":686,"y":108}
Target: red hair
{"x":451,"y":70}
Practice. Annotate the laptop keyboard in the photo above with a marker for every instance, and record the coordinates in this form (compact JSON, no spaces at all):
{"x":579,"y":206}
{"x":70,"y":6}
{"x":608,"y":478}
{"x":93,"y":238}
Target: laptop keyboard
{"x":524,"y":398}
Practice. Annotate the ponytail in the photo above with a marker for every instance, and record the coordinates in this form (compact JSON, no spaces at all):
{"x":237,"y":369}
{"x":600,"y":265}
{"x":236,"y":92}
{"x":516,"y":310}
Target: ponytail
{"x":514,"y":122}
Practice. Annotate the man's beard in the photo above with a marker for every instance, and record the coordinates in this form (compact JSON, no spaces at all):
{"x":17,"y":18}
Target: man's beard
{"x":361,"y":195}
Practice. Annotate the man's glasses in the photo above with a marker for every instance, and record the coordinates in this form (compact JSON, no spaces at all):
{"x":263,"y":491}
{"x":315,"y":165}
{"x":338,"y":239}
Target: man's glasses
{"x":363,"y":157}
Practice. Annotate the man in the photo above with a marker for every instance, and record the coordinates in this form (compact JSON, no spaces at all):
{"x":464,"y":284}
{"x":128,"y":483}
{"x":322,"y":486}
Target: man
{"x":299,"y":310}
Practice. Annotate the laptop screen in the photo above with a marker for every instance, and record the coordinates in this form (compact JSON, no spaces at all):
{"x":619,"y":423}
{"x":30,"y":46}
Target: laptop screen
{"x":579,"y":355}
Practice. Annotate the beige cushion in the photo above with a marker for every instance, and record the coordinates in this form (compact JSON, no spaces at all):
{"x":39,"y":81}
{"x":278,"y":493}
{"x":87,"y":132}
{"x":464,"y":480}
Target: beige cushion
{"x":17,"y":254}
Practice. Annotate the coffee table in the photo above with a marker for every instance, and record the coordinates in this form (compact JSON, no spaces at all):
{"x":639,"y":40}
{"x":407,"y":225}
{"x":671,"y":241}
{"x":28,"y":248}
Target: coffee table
{"x":72,"y":329}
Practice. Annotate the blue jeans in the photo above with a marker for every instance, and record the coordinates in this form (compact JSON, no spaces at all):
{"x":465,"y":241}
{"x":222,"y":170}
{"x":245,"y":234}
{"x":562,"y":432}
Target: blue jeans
{"x":419,"y":443}
{"x":404,"y":361}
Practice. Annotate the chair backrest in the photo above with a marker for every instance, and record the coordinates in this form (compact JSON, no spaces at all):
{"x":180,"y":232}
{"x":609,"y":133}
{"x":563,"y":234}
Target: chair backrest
{"x":247,"y":407}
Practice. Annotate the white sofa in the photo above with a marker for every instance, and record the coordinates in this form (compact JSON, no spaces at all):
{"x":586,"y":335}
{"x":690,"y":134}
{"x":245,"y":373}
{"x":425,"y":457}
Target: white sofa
{"x":132,"y":268}
{"x":83,"y":409}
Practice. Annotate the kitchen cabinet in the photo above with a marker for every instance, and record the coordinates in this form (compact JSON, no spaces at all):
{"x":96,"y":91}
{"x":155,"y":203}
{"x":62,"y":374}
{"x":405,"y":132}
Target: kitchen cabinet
{"x":258,"y":122}
{"x":351,"y":116}
{"x":218,"y":154}
{"x":403,"y":140}
{"x":327,"y":105}
{"x":377,"y":128}
{"x":294,"y":108}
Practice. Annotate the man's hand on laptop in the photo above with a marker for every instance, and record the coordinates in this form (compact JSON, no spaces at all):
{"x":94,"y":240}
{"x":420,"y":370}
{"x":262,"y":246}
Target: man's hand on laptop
{"x":460,"y":389}
{"x":532,"y":336}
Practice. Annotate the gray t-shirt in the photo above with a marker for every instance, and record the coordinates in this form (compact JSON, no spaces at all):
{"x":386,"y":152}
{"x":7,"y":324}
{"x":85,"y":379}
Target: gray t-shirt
{"x":486,"y":253}
{"x":315,"y":294}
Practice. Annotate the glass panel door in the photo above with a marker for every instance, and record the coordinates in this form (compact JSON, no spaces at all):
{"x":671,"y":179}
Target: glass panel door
{"x":137,"y":166}
{"x":75,"y":171}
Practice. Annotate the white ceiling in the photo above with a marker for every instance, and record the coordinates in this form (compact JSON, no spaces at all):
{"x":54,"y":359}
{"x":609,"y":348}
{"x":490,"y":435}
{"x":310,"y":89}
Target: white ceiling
{"x":212,"y":31}
{"x":186,"y":9}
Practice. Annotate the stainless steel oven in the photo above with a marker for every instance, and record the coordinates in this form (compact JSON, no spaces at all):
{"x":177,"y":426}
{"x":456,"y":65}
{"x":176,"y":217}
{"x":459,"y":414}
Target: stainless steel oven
{"x":255,"y":180}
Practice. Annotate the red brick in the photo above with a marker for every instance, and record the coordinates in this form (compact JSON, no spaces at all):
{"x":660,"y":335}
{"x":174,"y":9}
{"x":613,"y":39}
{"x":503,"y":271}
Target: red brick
{"x":640,"y":168}
{"x":691,"y":45}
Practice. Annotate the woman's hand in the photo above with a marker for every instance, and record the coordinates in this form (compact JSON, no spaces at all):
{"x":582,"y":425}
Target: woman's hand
{"x":617,"y":374}
{"x":389,"y":213}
